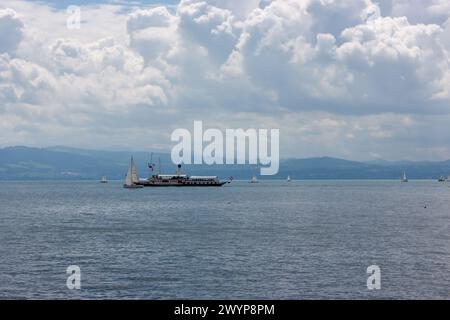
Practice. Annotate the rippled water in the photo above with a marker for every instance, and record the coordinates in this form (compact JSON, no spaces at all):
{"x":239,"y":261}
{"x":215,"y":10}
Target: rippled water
{"x":273,"y":240}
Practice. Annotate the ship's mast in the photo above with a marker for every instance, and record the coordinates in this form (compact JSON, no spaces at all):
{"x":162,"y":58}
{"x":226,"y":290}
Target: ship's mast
{"x":151,"y":166}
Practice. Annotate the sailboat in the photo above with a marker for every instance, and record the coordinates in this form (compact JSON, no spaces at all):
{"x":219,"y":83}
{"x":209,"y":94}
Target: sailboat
{"x":254,"y":179}
{"x":132,"y":178}
{"x":441,"y":179}
{"x":404,"y":178}
{"x":104,"y":180}
{"x":288,"y":179}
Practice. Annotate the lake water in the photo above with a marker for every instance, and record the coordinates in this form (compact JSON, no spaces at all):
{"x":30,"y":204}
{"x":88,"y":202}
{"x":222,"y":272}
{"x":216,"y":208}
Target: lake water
{"x":272,"y":240}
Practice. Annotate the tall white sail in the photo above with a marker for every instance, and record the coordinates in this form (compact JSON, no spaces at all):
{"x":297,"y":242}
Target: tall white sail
{"x":128,"y":178}
{"x":134,"y":176}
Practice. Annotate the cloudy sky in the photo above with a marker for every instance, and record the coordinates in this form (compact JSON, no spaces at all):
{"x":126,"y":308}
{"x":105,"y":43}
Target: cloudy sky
{"x":358,"y":79}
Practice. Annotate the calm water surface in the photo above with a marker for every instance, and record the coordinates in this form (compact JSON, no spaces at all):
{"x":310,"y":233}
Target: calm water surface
{"x":273,"y":240}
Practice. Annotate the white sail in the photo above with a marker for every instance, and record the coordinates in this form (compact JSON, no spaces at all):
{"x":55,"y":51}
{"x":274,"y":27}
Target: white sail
{"x":128,"y":178}
{"x":254,"y":179}
{"x":289,"y":178}
{"x":134,"y":176}
{"x":404,"y":178}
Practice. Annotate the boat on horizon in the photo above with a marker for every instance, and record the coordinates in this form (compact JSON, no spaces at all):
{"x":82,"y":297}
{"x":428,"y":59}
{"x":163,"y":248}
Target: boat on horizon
{"x":404,"y":178}
{"x":254,"y":179}
{"x":441,"y":179}
{"x":104,"y":180}
{"x":288,"y":179}
{"x":132,"y":179}
{"x":180,"y":180}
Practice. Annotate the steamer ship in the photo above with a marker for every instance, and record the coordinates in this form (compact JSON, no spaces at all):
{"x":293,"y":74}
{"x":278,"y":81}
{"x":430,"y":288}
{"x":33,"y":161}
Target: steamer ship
{"x":174,"y":180}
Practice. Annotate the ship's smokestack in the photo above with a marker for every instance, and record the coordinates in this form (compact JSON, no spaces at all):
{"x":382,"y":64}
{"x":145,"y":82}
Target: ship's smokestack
{"x":179,"y":170}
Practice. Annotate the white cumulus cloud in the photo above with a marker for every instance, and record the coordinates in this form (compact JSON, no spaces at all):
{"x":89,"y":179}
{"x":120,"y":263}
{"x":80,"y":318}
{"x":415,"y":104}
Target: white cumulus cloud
{"x":11,"y":30}
{"x":351,"y":78}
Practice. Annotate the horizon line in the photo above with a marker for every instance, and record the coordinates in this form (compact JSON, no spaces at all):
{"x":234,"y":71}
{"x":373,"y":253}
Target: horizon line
{"x":112,"y":149}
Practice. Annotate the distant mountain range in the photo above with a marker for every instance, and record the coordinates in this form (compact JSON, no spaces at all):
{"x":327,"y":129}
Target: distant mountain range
{"x":24,"y":163}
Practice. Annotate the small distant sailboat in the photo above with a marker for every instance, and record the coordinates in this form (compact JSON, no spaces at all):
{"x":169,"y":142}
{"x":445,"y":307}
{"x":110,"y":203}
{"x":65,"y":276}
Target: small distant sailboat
{"x":288,"y":179}
{"x":254,"y":179}
{"x":132,"y":178}
{"x":404,"y":178}
{"x":104,"y":180}
{"x":441,"y":179}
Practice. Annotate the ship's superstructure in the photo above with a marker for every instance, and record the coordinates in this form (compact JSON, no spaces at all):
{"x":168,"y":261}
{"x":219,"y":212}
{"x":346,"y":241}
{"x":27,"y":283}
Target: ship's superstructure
{"x":180,"y":180}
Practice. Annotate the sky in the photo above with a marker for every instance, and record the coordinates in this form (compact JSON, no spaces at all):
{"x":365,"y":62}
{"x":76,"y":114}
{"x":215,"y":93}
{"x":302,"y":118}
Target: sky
{"x":356,"y":79}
